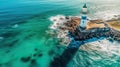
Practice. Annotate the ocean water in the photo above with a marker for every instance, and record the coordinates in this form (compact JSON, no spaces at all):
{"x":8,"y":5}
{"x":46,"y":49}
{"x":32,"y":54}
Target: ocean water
{"x":25,"y":43}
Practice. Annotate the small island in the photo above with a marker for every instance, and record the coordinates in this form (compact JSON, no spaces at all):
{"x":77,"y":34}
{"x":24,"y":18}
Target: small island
{"x":82,"y":28}
{"x":75,"y":31}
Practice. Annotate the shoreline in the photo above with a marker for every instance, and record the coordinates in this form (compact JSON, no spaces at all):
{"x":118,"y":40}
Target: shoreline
{"x":65,"y":24}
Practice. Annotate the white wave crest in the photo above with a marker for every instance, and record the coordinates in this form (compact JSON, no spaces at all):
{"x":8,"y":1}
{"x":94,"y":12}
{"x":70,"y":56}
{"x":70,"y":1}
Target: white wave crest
{"x":57,"y":22}
{"x":108,"y":15}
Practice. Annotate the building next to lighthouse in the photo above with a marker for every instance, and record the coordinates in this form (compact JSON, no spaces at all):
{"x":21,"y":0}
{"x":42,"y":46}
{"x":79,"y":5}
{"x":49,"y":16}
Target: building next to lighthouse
{"x":83,"y":22}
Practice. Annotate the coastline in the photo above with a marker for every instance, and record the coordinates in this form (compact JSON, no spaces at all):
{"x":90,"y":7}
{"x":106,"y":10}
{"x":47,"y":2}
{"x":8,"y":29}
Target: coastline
{"x":64,"y":24}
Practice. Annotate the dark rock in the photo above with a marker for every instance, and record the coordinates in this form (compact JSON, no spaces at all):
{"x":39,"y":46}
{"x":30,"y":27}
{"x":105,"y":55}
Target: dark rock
{"x":34,"y":55}
{"x":33,"y":61}
{"x":25,"y":59}
{"x":13,"y":43}
{"x":66,"y":17}
{"x":9,"y":34}
{"x":40,"y":55}
{"x":115,"y":15}
{"x":9,"y":44}
{"x":51,"y":52}
{"x":36,"y":49}
{"x":29,"y":36}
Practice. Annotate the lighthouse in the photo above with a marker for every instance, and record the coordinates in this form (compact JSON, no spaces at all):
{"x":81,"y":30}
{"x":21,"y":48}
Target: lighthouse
{"x":83,"y":21}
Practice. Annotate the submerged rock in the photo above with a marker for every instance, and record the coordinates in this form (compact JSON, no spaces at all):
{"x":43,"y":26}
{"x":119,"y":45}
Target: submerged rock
{"x":25,"y":59}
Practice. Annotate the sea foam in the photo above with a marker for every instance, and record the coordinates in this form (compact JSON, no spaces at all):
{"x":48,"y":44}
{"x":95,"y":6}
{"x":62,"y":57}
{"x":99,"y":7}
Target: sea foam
{"x":58,"y":21}
{"x":108,"y":15}
{"x":61,"y":34}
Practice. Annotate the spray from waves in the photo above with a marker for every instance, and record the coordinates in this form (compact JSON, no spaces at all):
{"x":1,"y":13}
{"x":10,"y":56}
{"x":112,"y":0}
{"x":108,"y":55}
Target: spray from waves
{"x":108,"y":14}
{"x":58,"y":21}
{"x":103,"y":46}
{"x":99,"y":53}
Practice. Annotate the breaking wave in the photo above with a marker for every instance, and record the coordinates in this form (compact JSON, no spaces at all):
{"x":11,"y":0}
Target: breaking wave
{"x":108,"y":14}
{"x":99,"y":53}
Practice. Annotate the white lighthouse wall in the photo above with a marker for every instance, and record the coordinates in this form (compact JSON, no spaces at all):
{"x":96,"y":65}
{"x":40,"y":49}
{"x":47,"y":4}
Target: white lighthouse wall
{"x":83,"y":23}
{"x":84,"y":9}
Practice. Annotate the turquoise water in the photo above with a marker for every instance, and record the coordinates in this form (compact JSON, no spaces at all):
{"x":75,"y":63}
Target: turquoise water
{"x":24,"y":42}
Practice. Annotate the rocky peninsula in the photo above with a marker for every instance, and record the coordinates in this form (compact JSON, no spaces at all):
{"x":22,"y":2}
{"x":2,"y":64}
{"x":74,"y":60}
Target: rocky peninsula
{"x":68,"y":27}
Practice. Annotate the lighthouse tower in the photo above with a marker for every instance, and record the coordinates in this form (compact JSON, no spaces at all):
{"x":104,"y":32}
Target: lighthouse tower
{"x":83,"y":21}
